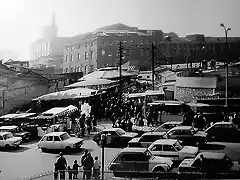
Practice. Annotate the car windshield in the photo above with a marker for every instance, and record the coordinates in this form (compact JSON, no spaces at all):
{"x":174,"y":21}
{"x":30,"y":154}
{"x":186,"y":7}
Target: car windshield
{"x":178,"y":146}
{"x":7,"y":136}
{"x":120,"y":131}
{"x":64,"y":136}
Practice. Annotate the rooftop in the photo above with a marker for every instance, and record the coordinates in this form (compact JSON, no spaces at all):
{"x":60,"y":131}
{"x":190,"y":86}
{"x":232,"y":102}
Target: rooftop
{"x":182,"y":128}
{"x":55,"y":133}
{"x":8,"y":127}
{"x":154,"y":133}
{"x":212,"y":155}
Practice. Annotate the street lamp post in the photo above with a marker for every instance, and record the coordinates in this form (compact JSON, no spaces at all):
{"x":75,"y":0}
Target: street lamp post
{"x":226,"y":63}
{"x":103,"y":139}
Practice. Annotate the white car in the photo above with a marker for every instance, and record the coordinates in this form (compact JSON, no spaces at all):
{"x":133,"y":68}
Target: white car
{"x":173,"y":149}
{"x":7,"y":140}
{"x":59,"y":141}
{"x":167,"y":126}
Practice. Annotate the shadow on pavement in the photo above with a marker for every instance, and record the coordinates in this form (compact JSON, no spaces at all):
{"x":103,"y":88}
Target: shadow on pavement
{"x":213,"y":147}
{"x":79,"y":151}
{"x":15,"y":150}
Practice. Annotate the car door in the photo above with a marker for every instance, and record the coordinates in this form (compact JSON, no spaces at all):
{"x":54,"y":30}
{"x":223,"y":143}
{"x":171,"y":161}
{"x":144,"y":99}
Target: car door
{"x":2,"y":142}
{"x":57,"y":143}
{"x":145,"y":141}
{"x":49,"y":142}
{"x":170,"y":151}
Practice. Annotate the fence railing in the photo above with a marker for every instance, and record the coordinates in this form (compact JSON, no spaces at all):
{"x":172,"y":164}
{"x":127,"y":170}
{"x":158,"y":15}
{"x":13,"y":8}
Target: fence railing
{"x":130,"y":175}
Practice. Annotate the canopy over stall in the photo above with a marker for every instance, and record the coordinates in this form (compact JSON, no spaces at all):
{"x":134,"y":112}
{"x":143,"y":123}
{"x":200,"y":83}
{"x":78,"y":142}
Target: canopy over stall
{"x":57,"y":112}
{"x":93,"y":82}
{"x":24,"y":115}
{"x":167,"y":103}
{"x":147,"y":93}
{"x":68,"y":94}
{"x":106,"y":74}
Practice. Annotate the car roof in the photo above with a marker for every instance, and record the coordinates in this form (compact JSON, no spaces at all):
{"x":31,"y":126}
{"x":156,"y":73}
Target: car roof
{"x":112,"y":129}
{"x":55,"y":133}
{"x":225,"y":123}
{"x":172,"y":122}
{"x":4,"y":133}
{"x":212,"y":155}
{"x":8,"y":127}
{"x":182,"y":128}
{"x":154,"y":133}
{"x":165,"y":141}
{"x":133,"y":150}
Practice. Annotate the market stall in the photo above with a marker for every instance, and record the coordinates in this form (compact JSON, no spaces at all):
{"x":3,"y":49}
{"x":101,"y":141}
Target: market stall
{"x":55,"y":119}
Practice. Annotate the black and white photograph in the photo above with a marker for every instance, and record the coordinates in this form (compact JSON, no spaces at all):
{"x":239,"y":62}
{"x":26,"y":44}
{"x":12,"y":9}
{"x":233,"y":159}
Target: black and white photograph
{"x":119,"y":89}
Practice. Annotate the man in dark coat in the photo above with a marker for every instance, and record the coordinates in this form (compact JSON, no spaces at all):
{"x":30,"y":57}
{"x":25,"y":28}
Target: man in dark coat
{"x":88,"y":164}
{"x":61,"y":164}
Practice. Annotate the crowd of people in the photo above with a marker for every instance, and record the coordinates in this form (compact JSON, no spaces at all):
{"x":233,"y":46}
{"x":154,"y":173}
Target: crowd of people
{"x":90,"y":167}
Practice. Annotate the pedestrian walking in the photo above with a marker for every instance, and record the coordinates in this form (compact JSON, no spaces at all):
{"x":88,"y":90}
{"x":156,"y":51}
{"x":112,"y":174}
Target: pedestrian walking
{"x":62,"y":165}
{"x":75,"y":169}
{"x":88,"y":163}
{"x":70,"y":172}
{"x":96,"y":168}
{"x":82,"y":163}
{"x":56,"y":168}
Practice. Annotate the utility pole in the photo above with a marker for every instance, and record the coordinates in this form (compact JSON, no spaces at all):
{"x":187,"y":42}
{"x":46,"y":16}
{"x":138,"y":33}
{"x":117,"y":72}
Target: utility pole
{"x":153,"y":70}
{"x":120,"y":69}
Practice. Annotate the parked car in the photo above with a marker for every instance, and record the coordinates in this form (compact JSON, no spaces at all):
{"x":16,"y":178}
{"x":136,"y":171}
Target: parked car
{"x":173,"y":149}
{"x":7,"y":140}
{"x":117,"y":137}
{"x":219,"y":161}
{"x":146,"y":139}
{"x":138,"y":159}
{"x":223,"y":132}
{"x":16,"y":131}
{"x":187,"y":134}
{"x":167,"y":126}
{"x":59,"y":140}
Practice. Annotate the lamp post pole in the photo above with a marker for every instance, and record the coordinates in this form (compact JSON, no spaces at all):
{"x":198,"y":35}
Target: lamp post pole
{"x":153,"y":70}
{"x":226,"y":63}
{"x":103,"y":139}
{"x":120,"y":70}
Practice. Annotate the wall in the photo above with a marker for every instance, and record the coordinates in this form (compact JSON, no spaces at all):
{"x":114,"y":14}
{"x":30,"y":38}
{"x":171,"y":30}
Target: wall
{"x":189,"y":88}
{"x":14,"y":98}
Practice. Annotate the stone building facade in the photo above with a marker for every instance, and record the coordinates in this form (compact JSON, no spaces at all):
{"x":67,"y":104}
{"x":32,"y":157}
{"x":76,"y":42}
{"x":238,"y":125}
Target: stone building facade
{"x":100,"y":48}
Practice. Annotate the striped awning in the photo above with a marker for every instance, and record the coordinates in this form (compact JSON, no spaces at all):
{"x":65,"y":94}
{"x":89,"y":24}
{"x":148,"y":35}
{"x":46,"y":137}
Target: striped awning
{"x":57,"y":112}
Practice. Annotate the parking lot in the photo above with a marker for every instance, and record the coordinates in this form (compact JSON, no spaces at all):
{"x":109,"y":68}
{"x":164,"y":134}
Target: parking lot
{"x":28,"y":160}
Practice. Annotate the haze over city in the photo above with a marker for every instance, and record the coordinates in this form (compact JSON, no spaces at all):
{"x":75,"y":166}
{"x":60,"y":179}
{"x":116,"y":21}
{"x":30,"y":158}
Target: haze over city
{"x":21,"y":20}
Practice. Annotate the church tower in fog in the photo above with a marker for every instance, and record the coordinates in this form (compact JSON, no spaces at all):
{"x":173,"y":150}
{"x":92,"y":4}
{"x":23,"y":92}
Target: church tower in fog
{"x":50,"y":31}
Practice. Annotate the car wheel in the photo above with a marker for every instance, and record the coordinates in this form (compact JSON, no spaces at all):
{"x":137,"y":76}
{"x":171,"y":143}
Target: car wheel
{"x":159,"y":170}
{"x":68,"y":149}
{"x":7,"y":146}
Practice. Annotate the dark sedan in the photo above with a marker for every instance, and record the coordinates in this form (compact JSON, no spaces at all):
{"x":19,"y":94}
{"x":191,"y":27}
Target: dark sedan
{"x":188,"y":135}
{"x":115,"y":137}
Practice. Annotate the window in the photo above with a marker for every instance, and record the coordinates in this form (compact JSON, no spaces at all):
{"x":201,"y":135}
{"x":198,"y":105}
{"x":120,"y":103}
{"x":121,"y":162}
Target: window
{"x":64,"y":136}
{"x":66,"y":70}
{"x":57,"y":138}
{"x":79,"y":56}
{"x":75,"y":69}
{"x":103,"y":52}
{"x":79,"y":69}
{"x":92,"y":55}
{"x":86,"y":55}
{"x":72,"y":69}
{"x":168,"y":148}
{"x":44,"y":138}
{"x":50,"y":138}
{"x":71,"y":57}
{"x":66,"y":58}
{"x":120,"y":131}
{"x":85,"y":70}
{"x":156,"y":148}
{"x":178,"y":146}
{"x":133,"y":157}
{"x":1,"y":138}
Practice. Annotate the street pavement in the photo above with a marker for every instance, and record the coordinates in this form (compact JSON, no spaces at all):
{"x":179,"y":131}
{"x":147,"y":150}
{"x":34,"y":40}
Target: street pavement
{"x":29,"y":161}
